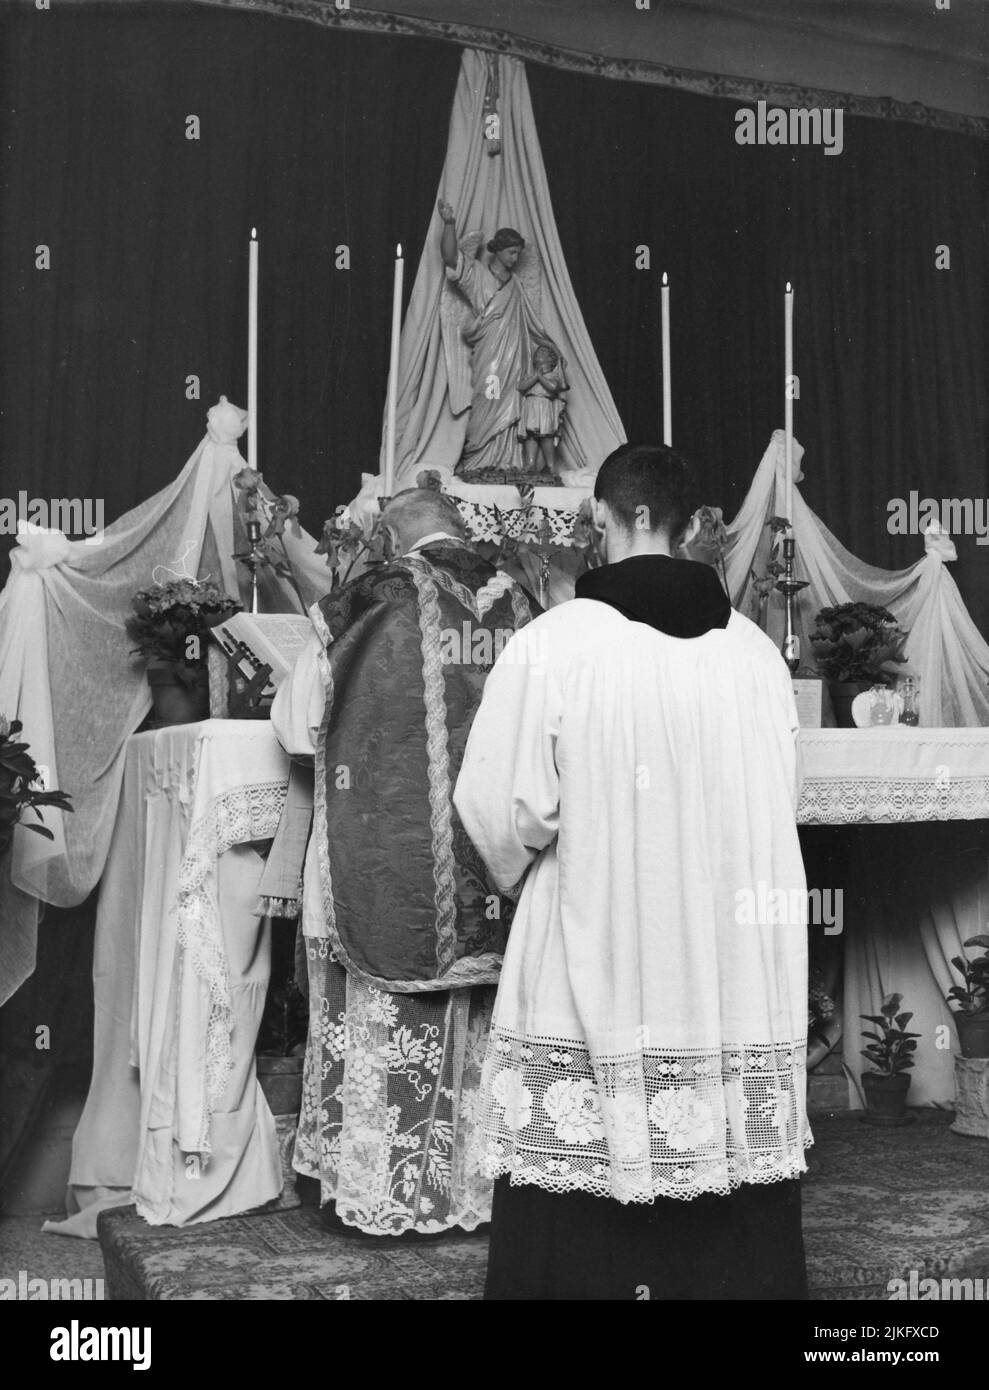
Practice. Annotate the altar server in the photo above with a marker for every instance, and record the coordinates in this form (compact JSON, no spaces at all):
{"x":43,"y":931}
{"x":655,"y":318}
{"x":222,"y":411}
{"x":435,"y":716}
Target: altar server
{"x":403,"y":928}
{"x":643,"y":1092}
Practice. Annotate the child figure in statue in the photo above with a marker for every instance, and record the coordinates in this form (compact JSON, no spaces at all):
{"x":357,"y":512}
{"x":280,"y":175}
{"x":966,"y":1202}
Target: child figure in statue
{"x":542,"y":410}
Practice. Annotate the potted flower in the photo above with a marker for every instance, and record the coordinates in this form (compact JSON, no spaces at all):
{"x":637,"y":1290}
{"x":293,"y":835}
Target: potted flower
{"x":972,"y":1016}
{"x":281,"y":1048}
{"x":856,"y":646}
{"x":170,"y":627}
{"x":891,"y":1053}
{"x":22,"y":787}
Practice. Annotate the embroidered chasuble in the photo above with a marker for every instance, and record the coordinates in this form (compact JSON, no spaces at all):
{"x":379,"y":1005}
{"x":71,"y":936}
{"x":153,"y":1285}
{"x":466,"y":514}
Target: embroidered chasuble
{"x":404,"y":930}
{"x":649,"y":1034}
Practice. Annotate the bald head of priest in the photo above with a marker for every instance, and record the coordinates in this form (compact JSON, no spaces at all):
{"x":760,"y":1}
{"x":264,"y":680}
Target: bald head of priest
{"x":415,"y":518}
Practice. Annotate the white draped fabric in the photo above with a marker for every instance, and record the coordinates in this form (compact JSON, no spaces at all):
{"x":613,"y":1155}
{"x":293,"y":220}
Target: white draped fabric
{"x":945,"y":648}
{"x":67,"y":672}
{"x":884,"y":955}
{"x":937,"y":778}
{"x":175,"y":1119}
{"x":508,"y":189}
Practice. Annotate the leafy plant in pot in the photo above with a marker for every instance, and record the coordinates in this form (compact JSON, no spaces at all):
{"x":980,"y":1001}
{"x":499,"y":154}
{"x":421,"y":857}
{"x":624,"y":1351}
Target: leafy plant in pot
{"x":281,"y":1048}
{"x":22,"y":787}
{"x":170,"y":627}
{"x":856,"y":646}
{"x":972,"y":1016}
{"x":891,"y":1053}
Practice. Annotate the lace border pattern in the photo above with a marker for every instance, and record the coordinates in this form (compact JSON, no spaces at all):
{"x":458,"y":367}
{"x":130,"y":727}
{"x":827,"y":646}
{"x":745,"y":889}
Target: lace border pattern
{"x":849,"y":800}
{"x":485,"y":522}
{"x":235,"y":818}
{"x":656,"y":1123}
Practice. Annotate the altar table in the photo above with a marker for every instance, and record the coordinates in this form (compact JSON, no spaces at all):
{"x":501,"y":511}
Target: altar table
{"x":175,"y":1119}
{"x":893,"y":774}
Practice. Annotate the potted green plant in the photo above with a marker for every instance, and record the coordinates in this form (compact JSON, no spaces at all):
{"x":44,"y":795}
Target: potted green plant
{"x":22,"y":787}
{"x":170,"y":628}
{"x":891,"y":1053}
{"x":281,"y":1048}
{"x":972,"y":997}
{"x":856,"y":646}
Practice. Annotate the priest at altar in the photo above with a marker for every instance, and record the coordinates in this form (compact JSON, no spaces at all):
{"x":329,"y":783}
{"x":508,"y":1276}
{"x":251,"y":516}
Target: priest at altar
{"x":404,"y":932}
{"x":643,"y":1091}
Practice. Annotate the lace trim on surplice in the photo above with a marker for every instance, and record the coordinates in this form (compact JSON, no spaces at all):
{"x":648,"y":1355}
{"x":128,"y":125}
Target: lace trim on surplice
{"x":656,"y":1123}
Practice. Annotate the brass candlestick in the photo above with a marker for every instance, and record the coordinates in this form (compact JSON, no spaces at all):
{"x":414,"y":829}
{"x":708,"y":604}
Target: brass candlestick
{"x":253,"y":558}
{"x":789,"y":588}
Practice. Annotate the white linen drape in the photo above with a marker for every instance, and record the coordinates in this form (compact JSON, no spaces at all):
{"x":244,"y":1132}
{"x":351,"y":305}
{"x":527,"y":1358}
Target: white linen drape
{"x":66,"y":668}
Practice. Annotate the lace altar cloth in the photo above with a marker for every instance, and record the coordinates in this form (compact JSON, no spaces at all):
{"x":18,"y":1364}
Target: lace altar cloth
{"x":180,"y":977}
{"x":895,"y":774}
{"x":238,"y":793}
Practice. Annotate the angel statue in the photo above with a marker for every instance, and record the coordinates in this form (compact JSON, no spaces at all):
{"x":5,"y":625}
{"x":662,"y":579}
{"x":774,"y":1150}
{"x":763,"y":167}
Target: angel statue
{"x":491,"y":334}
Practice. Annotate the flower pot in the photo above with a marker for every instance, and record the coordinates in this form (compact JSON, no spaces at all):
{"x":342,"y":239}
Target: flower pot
{"x":842,"y":694}
{"x":886,"y":1097}
{"x":973,"y":1034}
{"x":971,"y":1097}
{"x":281,"y":1081}
{"x":174,"y":701}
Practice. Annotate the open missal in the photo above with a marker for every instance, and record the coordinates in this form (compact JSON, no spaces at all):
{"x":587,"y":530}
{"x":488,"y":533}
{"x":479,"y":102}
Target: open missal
{"x":253,"y":640}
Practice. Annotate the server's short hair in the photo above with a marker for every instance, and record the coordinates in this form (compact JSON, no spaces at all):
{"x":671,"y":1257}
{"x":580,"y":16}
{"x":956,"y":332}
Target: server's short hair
{"x":647,"y":487}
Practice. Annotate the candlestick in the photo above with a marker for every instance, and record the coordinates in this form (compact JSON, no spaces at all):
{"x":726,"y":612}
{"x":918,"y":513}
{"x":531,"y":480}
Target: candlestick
{"x":252,"y":353}
{"x":396,"y":327}
{"x":788,"y":399}
{"x":253,"y":561}
{"x":790,"y":587}
{"x":667,"y":392}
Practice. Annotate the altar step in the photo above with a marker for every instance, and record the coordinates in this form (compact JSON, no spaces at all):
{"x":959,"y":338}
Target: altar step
{"x":929,"y":1219}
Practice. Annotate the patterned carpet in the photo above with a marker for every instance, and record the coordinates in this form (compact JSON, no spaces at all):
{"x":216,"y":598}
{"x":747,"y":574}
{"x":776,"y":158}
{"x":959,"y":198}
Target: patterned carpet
{"x":877,"y":1204}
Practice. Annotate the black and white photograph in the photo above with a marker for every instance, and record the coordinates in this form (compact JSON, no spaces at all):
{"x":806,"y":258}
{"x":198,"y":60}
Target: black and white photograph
{"x":494,"y":665}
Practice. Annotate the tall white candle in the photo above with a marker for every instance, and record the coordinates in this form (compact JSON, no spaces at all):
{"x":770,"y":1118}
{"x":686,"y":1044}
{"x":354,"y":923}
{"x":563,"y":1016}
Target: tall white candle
{"x":396,"y":329}
{"x":252,"y":353}
{"x":667,"y":380}
{"x":788,"y":398}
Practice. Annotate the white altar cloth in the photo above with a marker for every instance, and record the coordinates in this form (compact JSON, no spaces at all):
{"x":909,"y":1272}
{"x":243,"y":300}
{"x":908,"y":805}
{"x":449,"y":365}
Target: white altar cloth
{"x":893,"y":774}
{"x":175,"y":1119}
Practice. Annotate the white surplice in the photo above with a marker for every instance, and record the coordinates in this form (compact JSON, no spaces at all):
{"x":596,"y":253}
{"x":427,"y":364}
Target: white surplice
{"x":649,"y":1036}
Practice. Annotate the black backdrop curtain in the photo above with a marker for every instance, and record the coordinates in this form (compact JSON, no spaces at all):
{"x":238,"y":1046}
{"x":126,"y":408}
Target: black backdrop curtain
{"x":323,"y":138}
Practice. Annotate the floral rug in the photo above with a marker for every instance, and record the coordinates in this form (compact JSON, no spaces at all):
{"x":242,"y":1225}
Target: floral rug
{"x":878,"y":1204}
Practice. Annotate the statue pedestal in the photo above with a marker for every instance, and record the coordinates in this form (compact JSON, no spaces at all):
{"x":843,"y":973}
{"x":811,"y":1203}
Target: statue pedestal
{"x":972,"y":1097}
